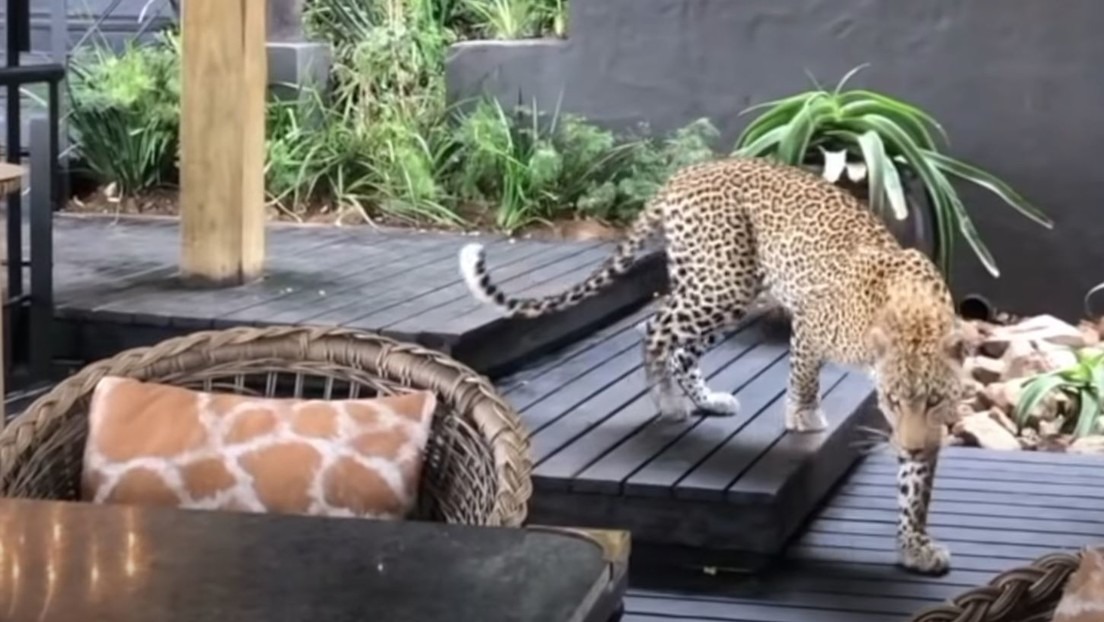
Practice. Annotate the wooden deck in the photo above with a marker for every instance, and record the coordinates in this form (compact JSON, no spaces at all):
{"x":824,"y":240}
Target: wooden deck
{"x":116,"y":287}
{"x":727,"y":491}
{"x":996,"y":510}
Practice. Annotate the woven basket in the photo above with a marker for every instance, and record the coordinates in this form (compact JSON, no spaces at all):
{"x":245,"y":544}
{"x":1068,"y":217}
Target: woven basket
{"x":477,"y":468}
{"x":1026,"y":594}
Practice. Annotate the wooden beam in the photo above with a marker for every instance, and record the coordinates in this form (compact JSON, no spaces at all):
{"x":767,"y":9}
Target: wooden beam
{"x":11,"y":178}
{"x":222,"y":141}
{"x":3,"y":351}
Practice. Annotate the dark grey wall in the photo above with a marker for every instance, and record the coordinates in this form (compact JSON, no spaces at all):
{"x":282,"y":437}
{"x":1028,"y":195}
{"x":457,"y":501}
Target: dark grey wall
{"x":1018,"y":84}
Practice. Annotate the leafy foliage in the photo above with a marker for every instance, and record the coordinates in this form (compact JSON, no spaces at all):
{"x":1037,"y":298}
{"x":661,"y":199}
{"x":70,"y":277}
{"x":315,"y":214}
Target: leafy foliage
{"x":1083,"y":381}
{"x":125,"y":113}
{"x":518,"y":19}
{"x":539,"y":167}
{"x":890,"y":136}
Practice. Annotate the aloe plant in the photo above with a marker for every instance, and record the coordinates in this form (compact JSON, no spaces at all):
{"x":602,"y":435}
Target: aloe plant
{"x":887,"y":136}
{"x":1084,"y":381}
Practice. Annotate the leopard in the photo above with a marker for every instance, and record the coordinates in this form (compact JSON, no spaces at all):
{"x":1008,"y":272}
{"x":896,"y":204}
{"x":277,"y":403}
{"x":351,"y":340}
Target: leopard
{"x":736,"y":228}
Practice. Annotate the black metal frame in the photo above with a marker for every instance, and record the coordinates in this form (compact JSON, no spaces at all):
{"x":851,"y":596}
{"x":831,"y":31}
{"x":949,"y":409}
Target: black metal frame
{"x":30,"y":313}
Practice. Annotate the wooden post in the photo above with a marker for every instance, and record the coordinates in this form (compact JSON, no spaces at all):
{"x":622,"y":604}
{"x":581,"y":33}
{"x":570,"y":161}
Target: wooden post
{"x":11,"y":180}
{"x":223,"y":85}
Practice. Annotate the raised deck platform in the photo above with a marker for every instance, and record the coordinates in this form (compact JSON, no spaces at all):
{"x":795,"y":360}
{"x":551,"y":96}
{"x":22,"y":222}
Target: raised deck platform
{"x":714,"y":491}
{"x":996,"y":511}
{"x":116,"y":288}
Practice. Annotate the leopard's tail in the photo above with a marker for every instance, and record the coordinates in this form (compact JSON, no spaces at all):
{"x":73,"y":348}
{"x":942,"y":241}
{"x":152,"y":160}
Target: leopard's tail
{"x":478,"y":279}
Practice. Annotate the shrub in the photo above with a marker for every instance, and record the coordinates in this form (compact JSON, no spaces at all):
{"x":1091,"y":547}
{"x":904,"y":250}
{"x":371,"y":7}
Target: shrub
{"x":125,"y":112}
{"x":889,"y":137}
{"x":536,"y":167}
{"x":1083,"y":382}
{"x":517,"y":19}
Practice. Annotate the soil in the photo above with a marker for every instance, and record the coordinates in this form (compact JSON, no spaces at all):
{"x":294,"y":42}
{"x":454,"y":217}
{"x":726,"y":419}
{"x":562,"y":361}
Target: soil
{"x":166,"y":202}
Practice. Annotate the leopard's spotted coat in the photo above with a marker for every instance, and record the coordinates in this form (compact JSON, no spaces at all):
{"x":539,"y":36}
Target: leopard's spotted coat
{"x":738,"y":227}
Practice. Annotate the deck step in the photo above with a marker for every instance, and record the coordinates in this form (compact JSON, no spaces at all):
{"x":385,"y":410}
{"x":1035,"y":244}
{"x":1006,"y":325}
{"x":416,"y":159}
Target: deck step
{"x":711,"y":491}
{"x":116,"y":288}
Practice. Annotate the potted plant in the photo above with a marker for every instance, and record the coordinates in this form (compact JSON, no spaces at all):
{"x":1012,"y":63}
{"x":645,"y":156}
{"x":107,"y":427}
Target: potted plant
{"x":858,"y":135}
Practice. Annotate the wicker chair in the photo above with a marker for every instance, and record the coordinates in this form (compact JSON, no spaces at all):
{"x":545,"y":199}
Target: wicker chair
{"x":1025,"y":594}
{"x":477,"y":462}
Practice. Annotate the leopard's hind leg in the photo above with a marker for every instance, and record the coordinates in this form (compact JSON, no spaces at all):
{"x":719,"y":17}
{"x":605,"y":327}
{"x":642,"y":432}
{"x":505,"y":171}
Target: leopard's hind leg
{"x":689,"y":322}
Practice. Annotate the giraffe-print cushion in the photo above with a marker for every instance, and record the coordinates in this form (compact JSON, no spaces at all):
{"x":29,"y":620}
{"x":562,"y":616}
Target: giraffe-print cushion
{"x":156,"y":444}
{"x":1083,"y":598}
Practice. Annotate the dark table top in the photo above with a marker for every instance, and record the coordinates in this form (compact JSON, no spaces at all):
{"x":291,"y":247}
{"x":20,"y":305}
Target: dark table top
{"x":76,"y":562}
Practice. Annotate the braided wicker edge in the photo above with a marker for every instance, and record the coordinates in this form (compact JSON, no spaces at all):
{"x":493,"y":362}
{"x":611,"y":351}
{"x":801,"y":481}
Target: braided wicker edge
{"x":405,"y":362}
{"x":1024,"y":594}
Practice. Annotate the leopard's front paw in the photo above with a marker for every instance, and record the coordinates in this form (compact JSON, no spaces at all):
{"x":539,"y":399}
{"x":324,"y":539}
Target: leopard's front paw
{"x":719,"y":404}
{"x":804,"y":419}
{"x":929,"y":558}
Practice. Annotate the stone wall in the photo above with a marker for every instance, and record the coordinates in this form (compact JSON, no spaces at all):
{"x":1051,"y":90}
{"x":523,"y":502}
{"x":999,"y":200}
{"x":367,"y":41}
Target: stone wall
{"x":1016,"y":83}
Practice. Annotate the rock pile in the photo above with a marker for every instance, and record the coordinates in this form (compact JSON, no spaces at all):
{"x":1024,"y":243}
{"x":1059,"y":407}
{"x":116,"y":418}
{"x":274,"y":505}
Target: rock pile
{"x":1004,"y":357}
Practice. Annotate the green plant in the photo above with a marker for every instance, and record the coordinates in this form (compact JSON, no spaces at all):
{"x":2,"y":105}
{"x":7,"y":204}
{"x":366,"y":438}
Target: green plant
{"x":518,"y":19}
{"x":890,"y":136}
{"x":536,"y":167}
{"x":125,"y":112}
{"x":1083,"y":381}
{"x":382,"y":144}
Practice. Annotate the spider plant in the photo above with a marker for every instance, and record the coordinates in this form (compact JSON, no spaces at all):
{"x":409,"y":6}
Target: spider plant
{"x":1084,"y":381}
{"x":888,"y":137}
{"x":518,"y":19}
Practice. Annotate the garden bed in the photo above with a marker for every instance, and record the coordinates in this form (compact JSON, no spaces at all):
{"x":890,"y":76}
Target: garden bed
{"x":1034,"y":384}
{"x":165,"y":203}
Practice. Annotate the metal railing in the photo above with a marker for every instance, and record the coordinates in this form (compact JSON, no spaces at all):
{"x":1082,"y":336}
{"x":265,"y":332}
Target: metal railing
{"x":29,"y":305}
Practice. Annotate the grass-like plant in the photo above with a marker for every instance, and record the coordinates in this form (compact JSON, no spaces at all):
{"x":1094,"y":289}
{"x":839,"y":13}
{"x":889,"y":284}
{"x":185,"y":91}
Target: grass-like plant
{"x":891,"y":137}
{"x":125,"y":113}
{"x":518,"y":19}
{"x":533,"y":167}
{"x":1083,"y":381}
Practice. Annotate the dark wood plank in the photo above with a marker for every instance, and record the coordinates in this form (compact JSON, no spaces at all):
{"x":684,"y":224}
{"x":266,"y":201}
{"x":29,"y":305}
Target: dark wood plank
{"x":463,"y":314}
{"x":873,"y":602}
{"x":168,"y":297}
{"x":610,"y":473}
{"x":356,"y":307}
{"x":576,"y":440}
{"x":352,"y":272}
{"x":809,"y":580}
{"x":987,"y":517}
{"x":528,"y":337}
{"x":750,"y":612}
{"x":972,"y":471}
{"x":344,"y":260}
{"x":578,"y":357}
{"x":555,"y":384}
{"x":523,"y":260}
{"x":995,"y":484}
{"x":672,"y":464}
{"x":887,"y":559}
{"x":713,"y":478}
{"x":874,"y":499}
{"x":591,"y":396}
{"x":1037,"y":499}
{"x":793,"y":452}
{"x":962,"y":548}
{"x":957,"y":533}
{"x":1015,"y":459}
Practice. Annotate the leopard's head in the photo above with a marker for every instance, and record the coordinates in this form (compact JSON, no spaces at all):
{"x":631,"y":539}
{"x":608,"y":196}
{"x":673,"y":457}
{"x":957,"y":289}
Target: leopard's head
{"x":918,"y":357}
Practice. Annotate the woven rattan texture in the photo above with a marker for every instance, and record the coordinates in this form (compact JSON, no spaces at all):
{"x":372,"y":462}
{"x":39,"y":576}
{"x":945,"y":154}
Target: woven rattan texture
{"x":478,"y":469}
{"x":1025,"y":594}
